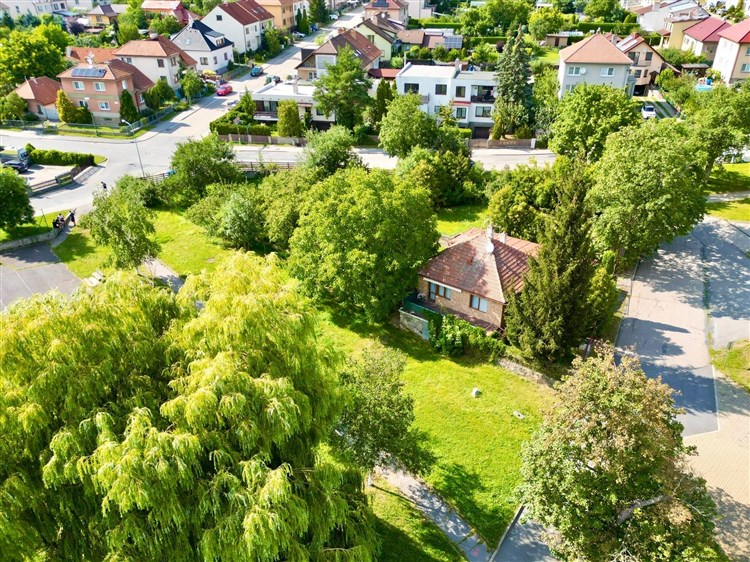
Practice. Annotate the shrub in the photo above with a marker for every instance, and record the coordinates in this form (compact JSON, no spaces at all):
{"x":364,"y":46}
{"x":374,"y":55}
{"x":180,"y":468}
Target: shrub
{"x":453,"y":336}
{"x":59,"y":158}
{"x":465,"y":133}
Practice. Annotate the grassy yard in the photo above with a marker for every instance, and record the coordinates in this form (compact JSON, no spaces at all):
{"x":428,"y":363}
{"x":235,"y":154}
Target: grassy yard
{"x":185,"y":247}
{"x":551,"y":56}
{"x":476,"y":441}
{"x":459,"y":219}
{"x":731,"y":210}
{"x":729,"y":178}
{"x":405,"y":534}
{"x":40,"y":225}
{"x":735,"y":362}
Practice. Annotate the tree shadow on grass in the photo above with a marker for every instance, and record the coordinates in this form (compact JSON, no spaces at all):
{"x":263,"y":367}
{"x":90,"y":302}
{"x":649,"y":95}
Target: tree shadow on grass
{"x":76,"y":246}
{"x":727,"y":181}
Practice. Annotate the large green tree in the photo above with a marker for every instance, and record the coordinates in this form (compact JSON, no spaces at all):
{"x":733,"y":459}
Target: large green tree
{"x":15,"y":208}
{"x":406,"y":126}
{"x":121,"y":221}
{"x":153,"y":429}
{"x":607,"y":471}
{"x":27,"y":54}
{"x":545,"y":100}
{"x":12,"y":106}
{"x":361,"y":239}
{"x":289,"y":124}
{"x":587,"y":115}
{"x":127,"y":32}
{"x":191,"y":85}
{"x":343,"y":91}
{"x":318,"y":11}
{"x":550,"y":315}
{"x":513,"y":101}
{"x":642,"y":202}
{"x":128,"y":111}
{"x":329,"y":151}
{"x":383,"y":98}
{"x":545,"y":20}
{"x":608,"y":10}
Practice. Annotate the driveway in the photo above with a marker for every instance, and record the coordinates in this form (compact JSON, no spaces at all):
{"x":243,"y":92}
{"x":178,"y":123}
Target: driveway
{"x":35,"y":269}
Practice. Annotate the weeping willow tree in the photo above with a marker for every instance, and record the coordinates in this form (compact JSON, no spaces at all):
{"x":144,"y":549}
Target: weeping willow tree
{"x":141,"y":426}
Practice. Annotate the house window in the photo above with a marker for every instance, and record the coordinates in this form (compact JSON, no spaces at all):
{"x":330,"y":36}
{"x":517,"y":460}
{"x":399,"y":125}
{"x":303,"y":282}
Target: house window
{"x":436,"y":109}
{"x":747,"y":52}
{"x":745,"y":67}
{"x":483,"y":111}
{"x":569,"y":88}
{"x":433,"y":290}
{"x":160,"y":63}
{"x":104,"y":105}
{"x":478,"y":303}
{"x":371,"y":38}
{"x":411,"y":88}
{"x":460,"y":113}
{"x":574,"y":71}
{"x":637,"y":73}
{"x":460,"y":91}
{"x":649,"y":55}
{"x":82,"y":103}
{"x":127,"y":60}
{"x":608,"y":71}
{"x":204,"y":61}
{"x":216,"y":61}
{"x":226,"y":56}
{"x":218,"y":18}
{"x":39,"y":109}
{"x":173,"y":61}
{"x":77,"y":85}
{"x":319,"y":113}
{"x":124,"y":84}
{"x":141,"y":99}
{"x":441,"y":89}
{"x":99,"y":86}
{"x":312,"y":75}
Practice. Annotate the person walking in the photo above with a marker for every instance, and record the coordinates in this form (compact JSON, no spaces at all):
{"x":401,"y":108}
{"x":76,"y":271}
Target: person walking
{"x":104,"y":186}
{"x":72,"y":216}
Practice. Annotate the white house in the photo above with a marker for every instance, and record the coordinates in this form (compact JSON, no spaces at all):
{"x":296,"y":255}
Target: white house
{"x":210,"y":49}
{"x":471,"y":92}
{"x":654,"y":17}
{"x":733,"y":53}
{"x":17,"y":8}
{"x":243,"y":23}
{"x":268,"y":97}
{"x":702,"y":39}
{"x":157,"y":58}
{"x":595,"y":60}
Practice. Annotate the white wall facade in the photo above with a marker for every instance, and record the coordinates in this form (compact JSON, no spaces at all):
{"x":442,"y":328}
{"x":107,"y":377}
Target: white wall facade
{"x":157,"y":68}
{"x":35,"y":7}
{"x":245,"y":37}
{"x":614,"y":75}
{"x":271,"y":94}
{"x":212,"y":60}
{"x":732,"y":60}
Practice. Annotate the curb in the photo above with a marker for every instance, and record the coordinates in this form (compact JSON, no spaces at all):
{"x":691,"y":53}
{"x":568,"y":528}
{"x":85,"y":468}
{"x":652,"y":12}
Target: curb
{"x":505,"y":534}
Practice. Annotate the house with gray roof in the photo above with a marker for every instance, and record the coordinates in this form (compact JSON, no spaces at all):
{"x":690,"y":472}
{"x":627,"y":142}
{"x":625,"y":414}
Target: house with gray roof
{"x":210,"y":49}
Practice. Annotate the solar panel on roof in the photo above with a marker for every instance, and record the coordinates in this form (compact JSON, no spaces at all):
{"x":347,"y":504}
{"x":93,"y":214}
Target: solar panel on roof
{"x":88,"y":72}
{"x":453,"y":41}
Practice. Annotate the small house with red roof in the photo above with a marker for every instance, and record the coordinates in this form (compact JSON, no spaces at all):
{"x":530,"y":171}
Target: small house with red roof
{"x":40,"y":95}
{"x":243,"y":23}
{"x":395,"y":9}
{"x":474,"y":275}
{"x":647,"y":63}
{"x":733,"y":53}
{"x":157,"y":57}
{"x":595,"y":60}
{"x":702,"y":39}
{"x":172,"y":8}
{"x":316,"y":61}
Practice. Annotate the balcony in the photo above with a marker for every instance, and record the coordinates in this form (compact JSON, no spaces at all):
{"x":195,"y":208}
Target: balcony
{"x":486,"y":98}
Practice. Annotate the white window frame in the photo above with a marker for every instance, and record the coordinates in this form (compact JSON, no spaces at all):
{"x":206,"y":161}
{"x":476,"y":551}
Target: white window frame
{"x":745,"y":67}
{"x":104,"y":106}
{"x":574,"y":70}
{"x":124,"y":84}
{"x":608,"y":71}
{"x":100,"y":87}
{"x":463,"y":111}
{"x":78,"y":85}
{"x":482,"y":304}
{"x":437,"y":290}
{"x":483,"y":108}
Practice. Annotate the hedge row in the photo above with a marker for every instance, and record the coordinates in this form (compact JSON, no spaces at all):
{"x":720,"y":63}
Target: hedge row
{"x":617,"y":27}
{"x":491,"y":39}
{"x":58,"y":157}
{"x":224,"y":128}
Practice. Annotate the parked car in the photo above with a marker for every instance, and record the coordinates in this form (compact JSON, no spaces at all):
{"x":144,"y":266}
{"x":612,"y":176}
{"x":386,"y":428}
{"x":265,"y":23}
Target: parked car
{"x":333,"y":16}
{"x":18,"y":165}
{"x":313,"y":28}
{"x":256,"y":71}
{"x":20,"y":154}
{"x":298,"y":35}
{"x":224,"y":90}
{"x":648,"y":111}
{"x":232,"y":103}
{"x":274,"y":79}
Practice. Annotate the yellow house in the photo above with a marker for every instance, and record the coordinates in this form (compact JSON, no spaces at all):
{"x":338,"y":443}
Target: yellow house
{"x":674,"y":32}
{"x":283,"y":12}
{"x":105,"y":14}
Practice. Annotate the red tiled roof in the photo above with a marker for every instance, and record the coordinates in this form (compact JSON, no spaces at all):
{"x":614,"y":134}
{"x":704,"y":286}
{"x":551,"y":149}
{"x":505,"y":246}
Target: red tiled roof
{"x":707,"y":31}
{"x":99,"y":54}
{"x":411,"y":36}
{"x":246,"y":11}
{"x":595,"y":49}
{"x":157,"y":47}
{"x":385,"y":73}
{"x":470,"y":264}
{"x":42,"y":89}
{"x":385,"y":5}
{"x":739,"y":33}
{"x":365,"y":51}
{"x":115,"y":69}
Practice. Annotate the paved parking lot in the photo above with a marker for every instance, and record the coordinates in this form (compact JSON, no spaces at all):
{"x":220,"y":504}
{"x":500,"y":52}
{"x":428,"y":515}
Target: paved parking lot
{"x":35,"y":269}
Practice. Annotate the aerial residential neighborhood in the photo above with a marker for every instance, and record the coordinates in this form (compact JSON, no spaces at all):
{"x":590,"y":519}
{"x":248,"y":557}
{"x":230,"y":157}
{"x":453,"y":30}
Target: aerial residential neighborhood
{"x":386,"y":280}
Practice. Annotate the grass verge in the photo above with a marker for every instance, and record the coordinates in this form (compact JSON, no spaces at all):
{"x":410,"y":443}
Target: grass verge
{"x":458,"y":219}
{"x":730,"y":178}
{"x":734,"y":362}
{"x":40,"y":225}
{"x":477,"y":442}
{"x":404,"y":532}
{"x":730,"y":210}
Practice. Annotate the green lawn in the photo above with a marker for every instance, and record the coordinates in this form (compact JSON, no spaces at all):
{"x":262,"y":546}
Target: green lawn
{"x":731,"y":210}
{"x":40,"y":225}
{"x":185,"y":247}
{"x":735,"y":362}
{"x":730,"y":178}
{"x":477,"y":442}
{"x":405,"y":534}
{"x":551,"y":56}
{"x":459,"y":219}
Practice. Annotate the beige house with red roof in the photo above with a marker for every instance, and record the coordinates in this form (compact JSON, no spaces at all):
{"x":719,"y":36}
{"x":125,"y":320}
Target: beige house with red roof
{"x":157,"y":57}
{"x":99,"y":86}
{"x":595,"y":60}
{"x":40,"y":95}
{"x":473,"y":277}
{"x":242,"y":22}
{"x":169,"y":8}
{"x":733,"y":53}
{"x":285,"y":11}
{"x":396,"y":9}
{"x":702,"y":39}
{"x":647,"y":63}
{"x":315,"y":61}
{"x":105,"y":14}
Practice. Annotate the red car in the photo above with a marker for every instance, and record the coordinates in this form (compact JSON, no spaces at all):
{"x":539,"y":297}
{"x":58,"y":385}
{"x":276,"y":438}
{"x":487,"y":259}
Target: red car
{"x":224,"y":90}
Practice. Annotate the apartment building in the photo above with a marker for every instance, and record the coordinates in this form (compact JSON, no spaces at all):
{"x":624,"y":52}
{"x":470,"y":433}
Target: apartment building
{"x":702,"y":39}
{"x":285,"y":11}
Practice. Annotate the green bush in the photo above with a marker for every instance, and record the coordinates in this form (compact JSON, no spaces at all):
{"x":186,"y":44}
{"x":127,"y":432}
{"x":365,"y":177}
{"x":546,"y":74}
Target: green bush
{"x":490,"y":39}
{"x":464,"y":133}
{"x":59,"y":158}
{"x":453,"y":336}
{"x":224,"y":128}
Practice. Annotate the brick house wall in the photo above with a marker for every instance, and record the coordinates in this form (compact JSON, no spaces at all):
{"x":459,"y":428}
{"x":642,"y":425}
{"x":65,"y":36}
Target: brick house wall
{"x":459,"y":303}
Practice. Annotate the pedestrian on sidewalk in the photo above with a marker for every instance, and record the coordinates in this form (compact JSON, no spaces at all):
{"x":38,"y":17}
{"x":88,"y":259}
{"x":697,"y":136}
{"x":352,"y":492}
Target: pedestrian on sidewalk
{"x":104,"y":187}
{"x":72,"y":216}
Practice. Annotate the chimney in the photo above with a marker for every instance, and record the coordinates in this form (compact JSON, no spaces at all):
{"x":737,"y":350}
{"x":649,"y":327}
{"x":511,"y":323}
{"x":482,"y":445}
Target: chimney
{"x":489,"y":246}
{"x":502,"y":238}
{"x":153,"y":36}
{"x":90,"y":59}
{"x":458,"y":65}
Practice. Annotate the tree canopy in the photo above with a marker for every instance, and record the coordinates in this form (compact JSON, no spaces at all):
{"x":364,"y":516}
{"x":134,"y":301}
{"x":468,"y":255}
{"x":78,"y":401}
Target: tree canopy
{"x":607,"y":470}
{"x":513,"y":103}
{"x":642,"y":202}
{"x":361,"y":239}
{"x":545,"y":20}
{"x":289,"y":124}
{"x":406,"y":126}
{"x":15,"y":207}
{"x":152,"y":429}
{"x":191,"y":85}
{"x":343,"y":91}
{"x":26,"y":54}
{"x":587,"y":115}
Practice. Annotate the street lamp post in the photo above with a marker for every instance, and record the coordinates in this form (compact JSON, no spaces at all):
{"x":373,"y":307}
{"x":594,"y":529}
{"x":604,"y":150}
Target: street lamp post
{"x":135,"y":141}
